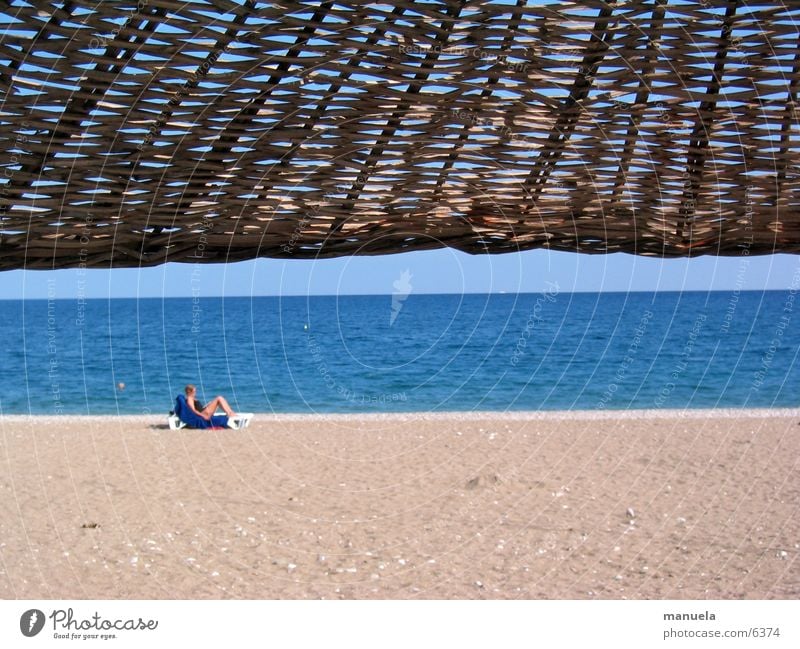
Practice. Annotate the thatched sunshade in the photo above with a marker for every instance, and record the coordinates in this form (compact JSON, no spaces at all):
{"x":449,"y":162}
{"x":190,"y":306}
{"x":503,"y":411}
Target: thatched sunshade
{"x":139,"y":133}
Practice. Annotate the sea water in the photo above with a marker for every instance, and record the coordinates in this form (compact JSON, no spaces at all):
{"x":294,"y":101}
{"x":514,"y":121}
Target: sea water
{"x":390,"y":353}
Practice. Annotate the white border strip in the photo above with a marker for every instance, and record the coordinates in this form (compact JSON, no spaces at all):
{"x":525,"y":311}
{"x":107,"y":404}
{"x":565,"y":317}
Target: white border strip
{"x":389,"y":625}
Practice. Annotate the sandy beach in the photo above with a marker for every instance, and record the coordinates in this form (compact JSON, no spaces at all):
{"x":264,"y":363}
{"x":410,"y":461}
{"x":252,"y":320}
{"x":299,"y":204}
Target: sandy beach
{"x":637,"y":504}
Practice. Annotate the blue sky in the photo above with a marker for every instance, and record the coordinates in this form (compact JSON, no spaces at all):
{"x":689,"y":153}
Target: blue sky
{"x":436,"y":271}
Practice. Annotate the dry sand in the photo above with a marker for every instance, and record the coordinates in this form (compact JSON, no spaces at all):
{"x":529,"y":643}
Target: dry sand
{"x":559,"y":505}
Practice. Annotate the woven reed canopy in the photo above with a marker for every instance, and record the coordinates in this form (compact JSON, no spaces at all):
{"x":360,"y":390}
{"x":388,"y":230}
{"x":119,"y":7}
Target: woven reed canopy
{"x":136,"y":133}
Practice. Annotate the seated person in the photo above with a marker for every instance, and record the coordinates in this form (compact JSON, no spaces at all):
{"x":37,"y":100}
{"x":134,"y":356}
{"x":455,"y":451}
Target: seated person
{"x":207,"y":411}
{"x":195,"y":415}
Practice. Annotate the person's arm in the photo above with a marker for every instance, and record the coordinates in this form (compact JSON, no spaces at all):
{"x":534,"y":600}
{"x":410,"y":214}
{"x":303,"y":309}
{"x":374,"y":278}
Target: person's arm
{"x":190,"y":403}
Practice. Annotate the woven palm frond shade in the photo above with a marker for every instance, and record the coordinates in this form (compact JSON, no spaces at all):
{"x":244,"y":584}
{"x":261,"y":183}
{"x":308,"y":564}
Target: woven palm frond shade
{"x":136,"y":133}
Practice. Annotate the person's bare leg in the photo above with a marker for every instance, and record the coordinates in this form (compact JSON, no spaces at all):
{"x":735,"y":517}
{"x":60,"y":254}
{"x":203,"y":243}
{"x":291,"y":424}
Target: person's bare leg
{"x":223,"y":402}
{"x":218,"y":402}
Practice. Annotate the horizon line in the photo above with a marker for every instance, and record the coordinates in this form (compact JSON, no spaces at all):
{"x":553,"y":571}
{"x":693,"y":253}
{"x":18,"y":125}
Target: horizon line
{"x":279,"y":295}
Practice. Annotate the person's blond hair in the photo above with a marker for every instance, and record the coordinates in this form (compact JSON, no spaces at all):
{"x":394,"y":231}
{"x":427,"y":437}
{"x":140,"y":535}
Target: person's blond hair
{"x":189,"y":388}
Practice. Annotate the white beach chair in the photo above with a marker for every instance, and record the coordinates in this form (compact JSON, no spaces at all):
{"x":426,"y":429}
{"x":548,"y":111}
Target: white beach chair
{"x":241,"y":420}
{"x":174,"y":422}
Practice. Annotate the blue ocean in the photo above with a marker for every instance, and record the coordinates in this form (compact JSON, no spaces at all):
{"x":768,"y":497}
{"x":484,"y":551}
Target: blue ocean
{"x":391,"y":353}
